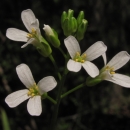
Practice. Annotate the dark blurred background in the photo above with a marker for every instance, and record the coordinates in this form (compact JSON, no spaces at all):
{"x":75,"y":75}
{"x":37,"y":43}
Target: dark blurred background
{"x":105,"y":106}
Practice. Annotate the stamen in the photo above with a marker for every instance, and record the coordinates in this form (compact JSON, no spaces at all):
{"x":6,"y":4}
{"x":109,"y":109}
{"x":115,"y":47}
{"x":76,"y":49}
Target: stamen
{"x":33,"y":31}
{"x":111,"y":70}
{"x":32,"y":34}
{"x":79,"y":58}
{"x":33,"y":91}
{"x":82,"y":61}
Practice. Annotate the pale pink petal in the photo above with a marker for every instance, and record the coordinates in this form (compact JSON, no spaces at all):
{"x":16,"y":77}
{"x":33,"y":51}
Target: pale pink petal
{"x":46,"y":84}
{"x":73,"y":66}
{"x":119,"y":60}
{"x":72,"y":46}
{"x":25,"y":75}
{"x":96,"y":50}
{"x":34,"y":106}
{"x":15,"y":98}
{"x":90,"y":68}
{"x":16,"y":35}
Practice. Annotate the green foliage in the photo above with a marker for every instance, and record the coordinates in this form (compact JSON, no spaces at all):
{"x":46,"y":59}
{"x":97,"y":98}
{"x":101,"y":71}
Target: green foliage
{"x":5,"y":121}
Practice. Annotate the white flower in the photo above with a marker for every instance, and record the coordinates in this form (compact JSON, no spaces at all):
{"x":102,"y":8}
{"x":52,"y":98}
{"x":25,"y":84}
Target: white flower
{"x":79,"y":60}
{"x":108,"y":72}
{"x":32,"y":25}
{"x":33,"y":93}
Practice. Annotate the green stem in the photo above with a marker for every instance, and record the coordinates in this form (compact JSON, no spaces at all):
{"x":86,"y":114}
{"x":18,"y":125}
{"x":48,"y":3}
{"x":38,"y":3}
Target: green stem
{"x":54,"y":63}
{"x":51,"y":99}
{"x":58,"y":99}
{"x":72,"y":90}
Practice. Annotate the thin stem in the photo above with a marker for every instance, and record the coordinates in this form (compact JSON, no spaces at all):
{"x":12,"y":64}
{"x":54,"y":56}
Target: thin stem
{"x":54,"y":63}
{"x":51,"y":99}
{"x":72,"y":90}
{"x":58,"y":99}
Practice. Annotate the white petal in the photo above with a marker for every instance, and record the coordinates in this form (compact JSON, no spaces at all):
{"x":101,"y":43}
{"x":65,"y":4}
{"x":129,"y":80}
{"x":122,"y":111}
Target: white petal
{"x":16,"y":34}
{"x":119,"y":60}
{"x":48,"y":30}
{"x":46,"y":84}
{"x":104,"y":58}
{"x":122,"y":80}
{"x":72,"y":46}
{"x":30,"y":41}
{"x":91,"y":69}
{"x":25,"y":75}
{"x":28,"y":18}
{"x":34,"y":106}
{"x":15,"y":98}
{"x":35,"y":24}
{"x":73,"y":66}
{"x":96,"y":50}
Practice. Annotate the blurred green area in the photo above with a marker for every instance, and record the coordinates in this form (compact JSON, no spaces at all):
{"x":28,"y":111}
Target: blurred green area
{"x":103,"y":107}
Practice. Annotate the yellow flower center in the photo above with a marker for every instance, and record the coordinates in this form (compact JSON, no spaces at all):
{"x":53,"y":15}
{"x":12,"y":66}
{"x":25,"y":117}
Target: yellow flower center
{"x":32,"y":34}
{"x":33,"y":91}
{"x":111,"y":70}
{"x":80,"y":58}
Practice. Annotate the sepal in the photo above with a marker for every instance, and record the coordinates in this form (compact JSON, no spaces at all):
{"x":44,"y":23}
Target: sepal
{"x":44,"y":96}
{"x":43,"y":47}
{"x":93,"y":81}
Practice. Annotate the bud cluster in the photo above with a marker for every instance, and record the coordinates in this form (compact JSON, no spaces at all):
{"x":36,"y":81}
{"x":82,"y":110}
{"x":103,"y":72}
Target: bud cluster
{"x":74,"y":26}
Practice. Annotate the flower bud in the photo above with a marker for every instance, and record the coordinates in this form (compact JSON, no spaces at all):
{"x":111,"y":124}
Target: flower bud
{"x":63,"y":17}
{"x":81,"y":30}
{"x":80,"y":17}
{"x":73,"y":25}
{"x":70,"y":13}
{"x":68,"y":23}
{"x":51,"y":36}
{"x":67,"y":27}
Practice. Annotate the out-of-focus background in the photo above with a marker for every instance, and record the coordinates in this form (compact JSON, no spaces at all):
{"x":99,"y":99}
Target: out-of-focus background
{"x":105,"y":106}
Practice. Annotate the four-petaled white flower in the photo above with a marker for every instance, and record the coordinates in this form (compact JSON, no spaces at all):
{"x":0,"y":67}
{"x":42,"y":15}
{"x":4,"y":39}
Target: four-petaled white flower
{"x":79,"y":60}
{"x":33,"y":93}
{"x":108,"y":71}
{"x":32,"y":25}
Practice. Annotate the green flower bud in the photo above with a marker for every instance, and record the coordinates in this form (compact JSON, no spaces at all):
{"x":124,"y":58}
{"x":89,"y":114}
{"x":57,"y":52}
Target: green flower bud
{"x":51,"y":36}
{"x":70,"y":13}
{"x":73,"y":25}
{"x":43,"y":47}
{"x":80,"y":17}
{"x":93,"y":81}
{"x":63,"y":17}
{"x":81,"y":30}
{"x":67,"y":27}
{"x":68,"y":22}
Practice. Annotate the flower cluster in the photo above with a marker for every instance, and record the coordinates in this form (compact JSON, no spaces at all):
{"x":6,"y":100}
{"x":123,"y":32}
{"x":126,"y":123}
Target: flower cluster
{"x":36,"y":92}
